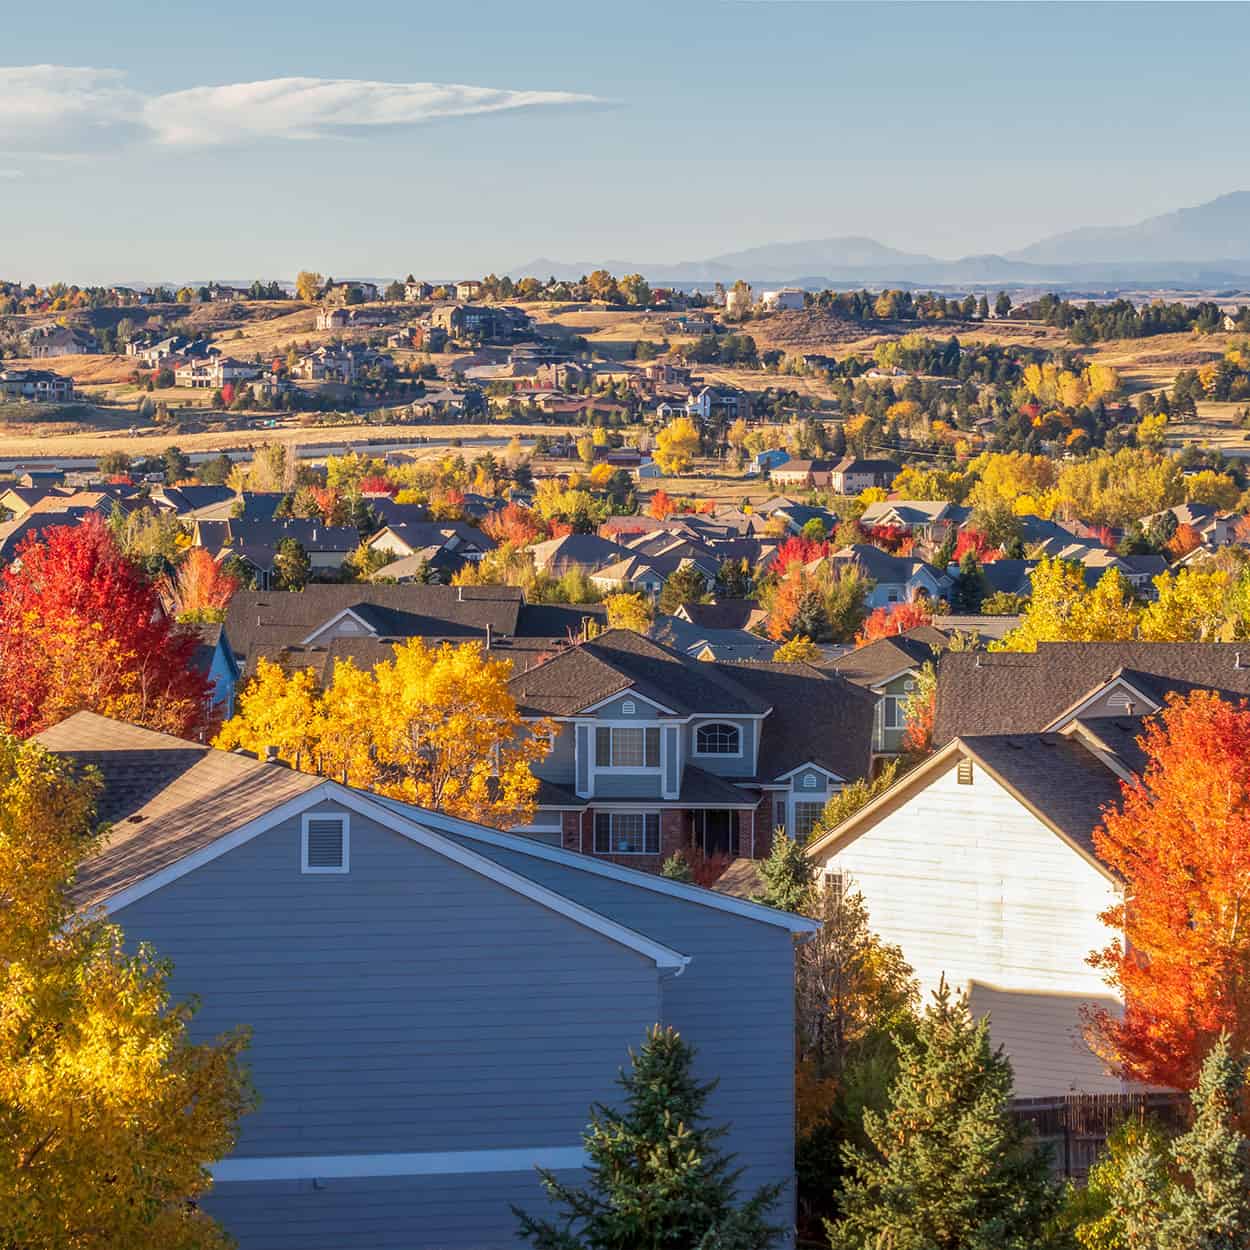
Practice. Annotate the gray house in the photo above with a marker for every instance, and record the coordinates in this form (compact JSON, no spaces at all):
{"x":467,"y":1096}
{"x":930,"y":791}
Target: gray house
{"x":434,"y":1005}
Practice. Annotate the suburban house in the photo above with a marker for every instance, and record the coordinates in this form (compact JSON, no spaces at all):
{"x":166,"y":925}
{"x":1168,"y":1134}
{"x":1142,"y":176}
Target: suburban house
{"x":787,"y":299}
{"x":888,"y":668}
{"x":574,"y":552}
{"x":980,"y":865}
{"x":656,"y":752}
{"x":444,"y":545}
{"x":410,"y":1098}
{"x":850,"y":475}
{"x":468,"y":288}
{"x":897,"y":579}
{"x":765,"y":461}
{"x":1217,"y":528}
{"x":256,"y":542}
{"x":215,"y":658}
{"x":323,"y":623}
{"x":41,"y":385}
{"x":928,"y":519}
{"x":215,"y":372}
{"x":48,"y":342}
{"x":802,"y":473}
{"x":415,"y":292}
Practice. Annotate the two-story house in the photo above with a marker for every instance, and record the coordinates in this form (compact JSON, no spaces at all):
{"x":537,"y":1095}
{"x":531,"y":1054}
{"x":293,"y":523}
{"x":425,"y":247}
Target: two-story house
{"x":656,"y":752}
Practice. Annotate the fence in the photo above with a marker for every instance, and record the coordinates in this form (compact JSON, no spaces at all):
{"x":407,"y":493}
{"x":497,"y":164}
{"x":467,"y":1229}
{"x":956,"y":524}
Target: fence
{"x":1076,"y":1126}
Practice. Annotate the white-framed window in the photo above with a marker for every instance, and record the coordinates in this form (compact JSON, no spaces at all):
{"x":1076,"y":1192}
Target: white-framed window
{"x":622,"y":746}
{"x":805,"y":817}
{"x":834,"y":882}
{"x":893,"y":709}
{"x":627,"y":833}
{"x":325,"y":843}
{"x":718,"y":739}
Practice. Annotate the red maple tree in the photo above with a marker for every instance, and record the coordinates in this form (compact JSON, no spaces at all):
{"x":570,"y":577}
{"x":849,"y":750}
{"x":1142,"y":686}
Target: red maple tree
{"x":662,"y":505}
{"x":82,"y":628}
{"x":227,"y":394}
{"x":976,"y":542}
{"x":797,"y":550}
{"x":898,"y":618}
{"x":1185,"y":540}
{"x":1180,"y":844}
{"x":376,"y":484}
{"x":515,"y":524}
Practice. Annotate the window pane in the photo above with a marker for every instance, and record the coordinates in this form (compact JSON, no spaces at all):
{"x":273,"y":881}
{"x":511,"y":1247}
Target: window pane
{"x":653,"y":833}
{"x":653,"y":748}
{"x":805,"y":816}
{"x":603,"y":747}
{"x":627,"y":748}
{"x":717,"y":740}
{"x":603,"y":833}
{"x":779,"y":814}
{"x":627,"y":831}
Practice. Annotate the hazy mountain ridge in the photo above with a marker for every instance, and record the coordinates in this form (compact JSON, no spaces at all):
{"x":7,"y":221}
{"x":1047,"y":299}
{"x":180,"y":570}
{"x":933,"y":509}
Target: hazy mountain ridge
{"x":1205,"y":245}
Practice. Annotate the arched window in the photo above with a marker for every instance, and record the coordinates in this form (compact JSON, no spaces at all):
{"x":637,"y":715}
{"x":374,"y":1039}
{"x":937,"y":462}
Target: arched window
{"x":718,"y":740}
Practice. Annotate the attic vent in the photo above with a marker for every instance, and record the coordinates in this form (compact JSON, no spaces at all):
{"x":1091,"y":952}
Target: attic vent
{"x":809,"y":782}
{"x":628,"y":708}
{"x":325,"y":844}
{"x":963,"y":772}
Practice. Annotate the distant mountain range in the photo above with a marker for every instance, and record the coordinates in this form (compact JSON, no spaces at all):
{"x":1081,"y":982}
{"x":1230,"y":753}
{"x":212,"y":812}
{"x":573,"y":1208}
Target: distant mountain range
{"x":1206,"y":246}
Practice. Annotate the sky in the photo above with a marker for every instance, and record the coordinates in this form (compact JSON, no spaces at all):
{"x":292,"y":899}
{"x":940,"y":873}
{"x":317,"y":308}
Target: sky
{"x":178,"y":142}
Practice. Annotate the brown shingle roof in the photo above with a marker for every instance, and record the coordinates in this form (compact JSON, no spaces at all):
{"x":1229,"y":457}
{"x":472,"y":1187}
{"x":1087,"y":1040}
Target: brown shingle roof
{"x":165,"y":797}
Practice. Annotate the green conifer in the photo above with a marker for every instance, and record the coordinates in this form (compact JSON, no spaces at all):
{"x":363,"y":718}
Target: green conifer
{"x":657,"y":1179}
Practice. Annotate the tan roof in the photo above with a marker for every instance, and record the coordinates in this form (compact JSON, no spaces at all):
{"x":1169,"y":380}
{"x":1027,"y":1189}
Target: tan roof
{"x":164,"y":797}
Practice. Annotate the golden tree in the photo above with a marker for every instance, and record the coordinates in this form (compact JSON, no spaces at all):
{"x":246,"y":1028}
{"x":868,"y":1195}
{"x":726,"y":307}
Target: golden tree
{"x":109,"y":1115}
{"x":676,"y":446}
{"x":628,"y":610}
{"x":434,"y":726}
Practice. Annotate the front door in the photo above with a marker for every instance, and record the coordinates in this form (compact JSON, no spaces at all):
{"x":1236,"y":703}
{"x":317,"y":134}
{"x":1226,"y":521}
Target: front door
{"x":720,"y":833}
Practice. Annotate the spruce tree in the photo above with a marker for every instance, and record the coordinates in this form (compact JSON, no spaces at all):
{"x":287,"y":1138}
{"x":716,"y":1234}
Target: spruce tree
{"x":657,"y":1180}
{"x":1210,"y":1210}
{"x":950,"y":1168}
{"x":788,"y":875}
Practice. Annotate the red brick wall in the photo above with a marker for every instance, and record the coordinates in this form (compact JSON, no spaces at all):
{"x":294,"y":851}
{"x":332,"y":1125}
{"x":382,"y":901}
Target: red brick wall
{"x":579,"y":835}
{"x":763,"y":817}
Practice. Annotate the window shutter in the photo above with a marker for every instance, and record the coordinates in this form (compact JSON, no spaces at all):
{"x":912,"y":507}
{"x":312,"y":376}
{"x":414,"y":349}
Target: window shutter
{"x":653,"y":748}
{"x":325,"y":843}
{"x":603,"y":748}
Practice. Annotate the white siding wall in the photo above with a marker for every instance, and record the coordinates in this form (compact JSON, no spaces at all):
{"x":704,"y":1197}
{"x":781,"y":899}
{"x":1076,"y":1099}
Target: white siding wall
{"x":974,"y":887}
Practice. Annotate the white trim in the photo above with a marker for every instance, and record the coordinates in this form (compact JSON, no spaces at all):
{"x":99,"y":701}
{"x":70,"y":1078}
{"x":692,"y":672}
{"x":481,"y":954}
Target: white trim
{"x":664,"y":957}
{"x":603,"y":868}
{"x":423,"y":1163}
{"x":1112,"y":683}
{"x":696,"y":754}
{"x":346,"y":822}
{"x":809,"y":764}
{"x":624,"y":692}
{"x":218,"y":847}
{"x":334,"y":620}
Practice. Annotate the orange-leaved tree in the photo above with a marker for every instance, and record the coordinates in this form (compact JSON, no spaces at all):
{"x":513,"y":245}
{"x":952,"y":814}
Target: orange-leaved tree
{"x":898,"y":618}
{"x":199,"y":590}
{"x":1180,"y":843}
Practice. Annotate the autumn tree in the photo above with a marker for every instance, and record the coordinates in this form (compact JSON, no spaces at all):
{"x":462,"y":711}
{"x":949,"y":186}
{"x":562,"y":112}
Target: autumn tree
{"x":1189,"y":606}
{"x":676,"y":446}
{"x":1180,"y":841}
{"x":198,"y":590}
{"x":798,"y":650}
{"x":110,"y":1114}
{"x":661,"y":506}
{"x":629,"y":611}
{"x":1063,"y":609}
{"x":898,"y":618}
{"x":308,"y":285}
{"x":434,"y":726}
{"x":684,"y":585}
{"x":82,"y":628}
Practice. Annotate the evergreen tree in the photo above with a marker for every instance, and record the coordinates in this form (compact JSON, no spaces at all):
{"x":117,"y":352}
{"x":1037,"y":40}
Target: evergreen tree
{"x":685,"y":585}
{"x":677,"y":868}
{"x":788,"y":875}
{"x":811,"y":620}
{"x":950,"y":1168}
{"x":970,"y":588}
{"x":291,"y":564}
{"x":657,"y":1179}
{"x":732,"y":580}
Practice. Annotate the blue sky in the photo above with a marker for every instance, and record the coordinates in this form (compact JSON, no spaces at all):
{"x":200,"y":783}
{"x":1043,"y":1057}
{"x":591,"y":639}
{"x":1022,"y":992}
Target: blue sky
{"x":587,"y":131}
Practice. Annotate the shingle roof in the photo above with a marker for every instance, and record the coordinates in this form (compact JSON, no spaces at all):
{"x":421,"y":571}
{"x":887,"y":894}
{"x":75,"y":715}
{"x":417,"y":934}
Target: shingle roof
{"x":878,"y":661}
{"x":165,"y":797}
{"x":816,"y":717}
{"x":622,"y":660}
{"x":723,"y":613}
{"x":1023,"y":692}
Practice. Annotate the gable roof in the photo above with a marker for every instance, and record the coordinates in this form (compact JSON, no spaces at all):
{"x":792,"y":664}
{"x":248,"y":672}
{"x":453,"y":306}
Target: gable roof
{"x":1025,"y":692}
{"x":621,"y":660}
{"x":888,"y":657}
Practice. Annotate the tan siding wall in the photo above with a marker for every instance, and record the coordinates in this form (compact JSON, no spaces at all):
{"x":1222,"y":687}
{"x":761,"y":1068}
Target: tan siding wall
{"x":972,"y":886}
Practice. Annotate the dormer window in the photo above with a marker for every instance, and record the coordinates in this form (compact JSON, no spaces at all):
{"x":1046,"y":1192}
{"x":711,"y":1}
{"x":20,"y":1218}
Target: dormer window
{"x":325,"y":843}
{"x":718,"y":739}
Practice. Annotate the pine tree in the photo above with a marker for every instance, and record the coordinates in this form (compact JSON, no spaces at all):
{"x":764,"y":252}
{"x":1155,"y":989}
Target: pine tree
{"x":970,"y":588}
{"x":657,"y":1179}
{"x":291,"y":564}
{"x":788,"y":875}
{"x":1212,"y":1210}
{"x":950,"y":1169}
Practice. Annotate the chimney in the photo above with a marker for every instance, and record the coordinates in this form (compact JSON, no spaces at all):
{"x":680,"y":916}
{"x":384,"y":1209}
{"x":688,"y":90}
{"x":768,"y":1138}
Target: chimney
{"x":271,"y":755}
{"x":459,"y":594}
{"x":490,"y":635}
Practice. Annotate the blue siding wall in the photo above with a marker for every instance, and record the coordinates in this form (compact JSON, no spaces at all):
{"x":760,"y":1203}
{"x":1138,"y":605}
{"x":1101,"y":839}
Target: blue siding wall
{"x":725,"y":765}
{"x":408,"y":1005}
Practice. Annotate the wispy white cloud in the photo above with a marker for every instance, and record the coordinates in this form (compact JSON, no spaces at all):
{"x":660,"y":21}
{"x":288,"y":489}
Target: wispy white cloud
{"x":53,"y":109}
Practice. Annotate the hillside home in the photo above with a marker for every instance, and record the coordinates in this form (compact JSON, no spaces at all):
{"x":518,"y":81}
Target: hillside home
{"x":48,"y":342}
{"x":434,"y":1006}
{"x":764,"y":461}
{"x":889,"y":668}
{"x":39,"y":385}
{"x":804,"y":474}
{"x":980,"y":865}
{"x":215,"y":372}
{"x":468,"y":288}
{"x":656,"y":752}
{"x":788,"y":298}
{"x":851,"y":475}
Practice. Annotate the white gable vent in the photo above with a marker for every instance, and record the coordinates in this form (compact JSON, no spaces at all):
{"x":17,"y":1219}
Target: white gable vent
{"x":325,"y":843}
{"x":628,"y":708}
{"x":810,"y":781}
